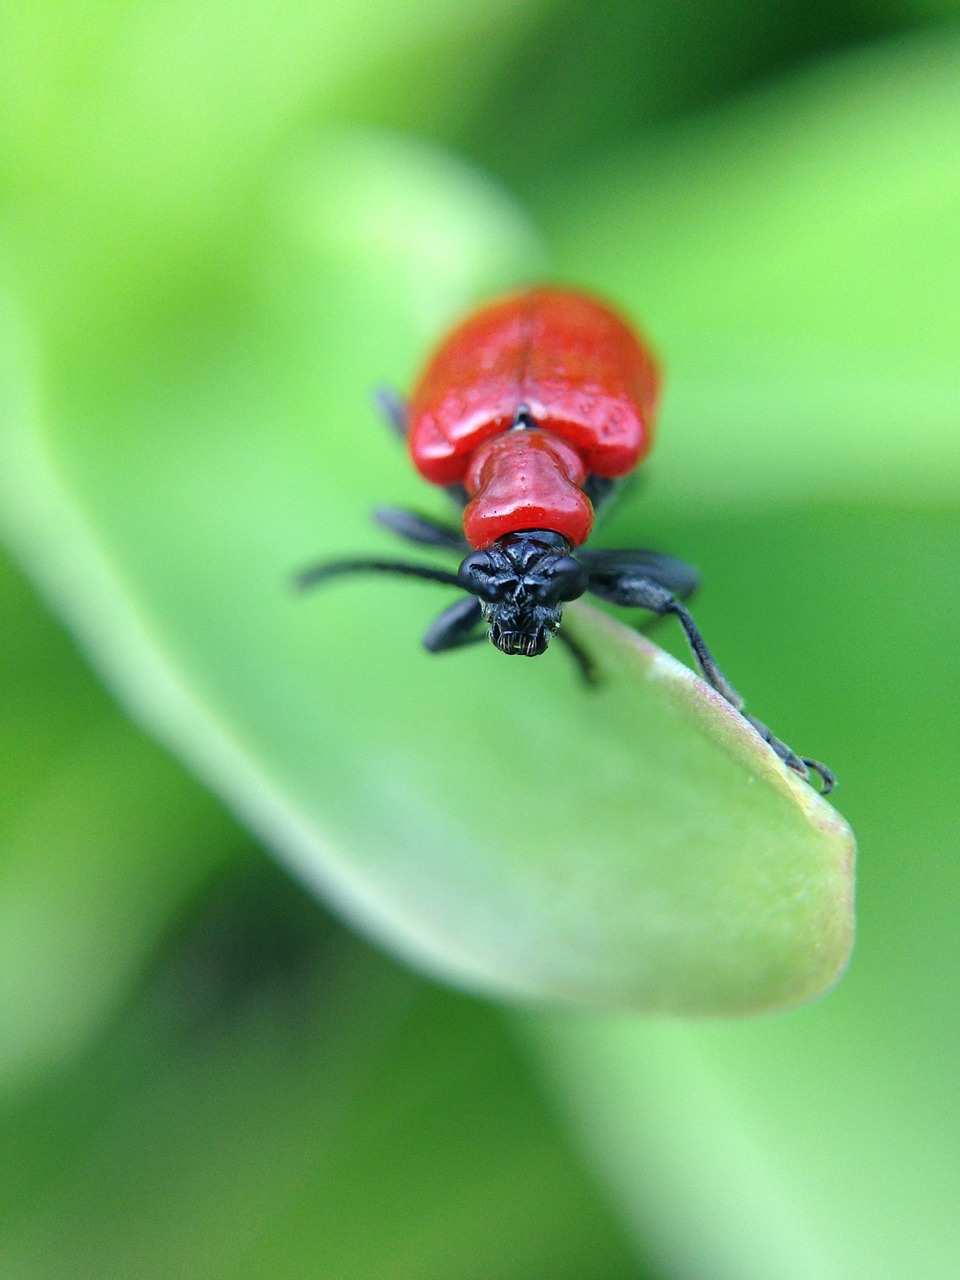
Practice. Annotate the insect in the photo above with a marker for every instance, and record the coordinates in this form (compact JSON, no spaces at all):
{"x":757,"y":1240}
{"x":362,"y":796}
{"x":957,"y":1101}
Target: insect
{"x":528,"y":413}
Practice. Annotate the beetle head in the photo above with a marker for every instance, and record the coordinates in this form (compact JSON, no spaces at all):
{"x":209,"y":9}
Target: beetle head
{"x":522,"y":582}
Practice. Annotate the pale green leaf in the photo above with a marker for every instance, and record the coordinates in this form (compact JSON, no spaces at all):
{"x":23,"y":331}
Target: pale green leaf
{"x":494,"y":822}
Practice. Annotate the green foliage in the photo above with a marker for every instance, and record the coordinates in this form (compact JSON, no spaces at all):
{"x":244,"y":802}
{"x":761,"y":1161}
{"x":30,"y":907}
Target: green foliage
{"x":103,"y":840}
{"x":221,"y":226}
{"x":286,"y":1102}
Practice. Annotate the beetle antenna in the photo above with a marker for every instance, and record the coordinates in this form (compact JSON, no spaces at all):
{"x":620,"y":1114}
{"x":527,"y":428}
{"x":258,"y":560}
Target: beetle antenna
{"x":318,"y":573}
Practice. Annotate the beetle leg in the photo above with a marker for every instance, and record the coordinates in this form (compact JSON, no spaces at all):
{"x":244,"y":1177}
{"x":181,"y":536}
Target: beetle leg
{"x":456,"y":626}
{"x":598,"y":489}
{"x":458,"y":495}
{"x":421,"y":529}
{"x":608,"y":566}
{"x":394,"y":408}
{"x":799,"y":764}
{"x":585,"y":663}
{"x":643,"y":593}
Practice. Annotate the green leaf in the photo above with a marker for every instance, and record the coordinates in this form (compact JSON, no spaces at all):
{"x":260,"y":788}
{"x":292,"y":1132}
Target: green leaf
{"x":821,"y":1143}
{"x":102,"y":838}
{"x":635,"y":847}
{"x":275,"y":1080}
{"x":795,"y":257}
{"x":135,"y":138}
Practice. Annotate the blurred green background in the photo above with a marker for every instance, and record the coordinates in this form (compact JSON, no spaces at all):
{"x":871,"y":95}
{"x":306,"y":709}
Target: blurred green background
{"x":220,"y":225}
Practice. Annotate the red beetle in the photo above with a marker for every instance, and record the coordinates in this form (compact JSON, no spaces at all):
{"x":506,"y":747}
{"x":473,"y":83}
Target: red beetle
{"x":528,"y":413}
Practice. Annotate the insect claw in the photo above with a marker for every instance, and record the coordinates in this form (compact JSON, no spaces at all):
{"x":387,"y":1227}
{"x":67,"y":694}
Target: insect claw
{"x":827,"y":777}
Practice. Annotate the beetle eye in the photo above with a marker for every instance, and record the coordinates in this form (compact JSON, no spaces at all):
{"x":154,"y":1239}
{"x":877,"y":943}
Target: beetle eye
{"x":478,"y":576}
{"x":569,"y":579}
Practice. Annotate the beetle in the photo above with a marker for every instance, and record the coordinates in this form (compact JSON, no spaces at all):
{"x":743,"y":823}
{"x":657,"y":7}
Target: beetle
{"x":529,"y":413}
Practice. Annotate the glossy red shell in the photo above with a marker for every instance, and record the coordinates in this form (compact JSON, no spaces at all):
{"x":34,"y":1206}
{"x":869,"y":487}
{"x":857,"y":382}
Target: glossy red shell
{"x":526,"y":480}
{"x":584,"y":378}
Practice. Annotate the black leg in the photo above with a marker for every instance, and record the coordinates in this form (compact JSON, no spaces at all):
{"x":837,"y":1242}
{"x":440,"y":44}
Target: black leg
{"x":827,"y":777}
{"x":394,"y":408}
{"x":585,"y":663}
{"x":421,"y":529}
{"x":327,"y":569}
{"x":642,"y":593}
{"x":609,"y":566}
{"x":598,"y":489}
{"x":456,"y":626}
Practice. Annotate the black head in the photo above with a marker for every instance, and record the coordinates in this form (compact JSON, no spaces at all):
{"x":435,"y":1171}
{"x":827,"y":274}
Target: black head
{"x":522,"y":582}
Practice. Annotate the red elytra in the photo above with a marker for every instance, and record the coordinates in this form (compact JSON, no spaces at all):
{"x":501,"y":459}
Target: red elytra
{"x":584,"y":386}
